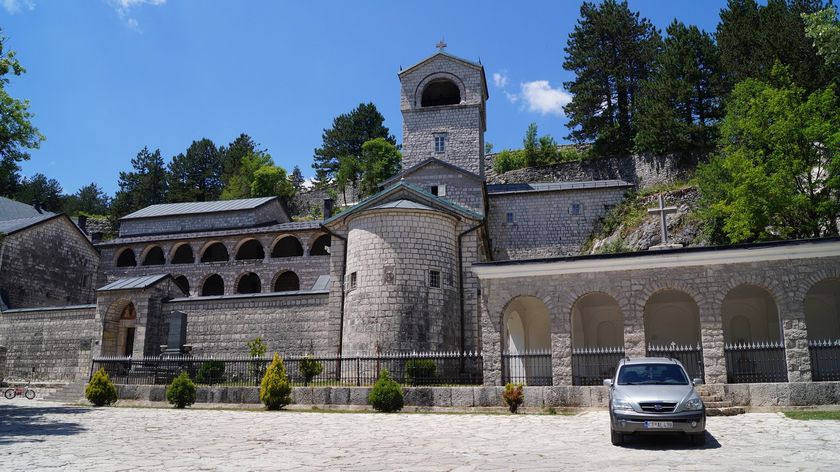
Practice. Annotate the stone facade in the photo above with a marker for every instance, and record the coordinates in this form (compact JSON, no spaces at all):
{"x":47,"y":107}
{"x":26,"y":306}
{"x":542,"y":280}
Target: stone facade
{"x":2,"y":364}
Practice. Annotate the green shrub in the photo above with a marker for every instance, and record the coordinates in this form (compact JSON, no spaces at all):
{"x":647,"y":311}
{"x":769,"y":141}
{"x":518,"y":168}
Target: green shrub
{"x":181,"y":391}
{"x":420,"y":371}
{"x":386,"y":394}
{"x":514,"y":396}
{"x":210,"y":372}
{"x":101,"y":391}
{"x":274,"y":389}
{"x":309,"y":369}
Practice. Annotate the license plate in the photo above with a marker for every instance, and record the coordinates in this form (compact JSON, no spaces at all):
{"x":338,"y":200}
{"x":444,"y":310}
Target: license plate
{"x":659,"y":424}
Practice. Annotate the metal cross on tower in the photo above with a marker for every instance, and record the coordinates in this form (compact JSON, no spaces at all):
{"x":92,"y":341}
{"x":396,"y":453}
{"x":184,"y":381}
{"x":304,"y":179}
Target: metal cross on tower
{"x":441,"y":45}
{"x":663,"y":210}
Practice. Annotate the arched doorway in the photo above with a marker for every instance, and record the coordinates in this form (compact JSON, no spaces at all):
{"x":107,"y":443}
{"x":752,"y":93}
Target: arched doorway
{"x":822,"y":318}
{"x":597,"y":338}
{"x":752,"y":333}
{"x":154,"y":256}
{"x":184,"y":284}
{"x":250,"y":250}
{"x":526,"y":342}
{"x":126,"y":258}
{"x":288,"y":246}
{"x":672,"y":329}
{"x":321,"y":246}
{"x":118,"y":331}
{"x":213,"y":285}
{"x":215,"y":252}
{"x":183,"y":254}
{"x":288,"y":281}
{"x":249,"y":283}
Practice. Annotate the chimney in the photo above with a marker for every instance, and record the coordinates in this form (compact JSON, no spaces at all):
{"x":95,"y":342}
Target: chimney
{"x":37,"y":206}
{"x":328,"y":208}
{"x":83,"y":223}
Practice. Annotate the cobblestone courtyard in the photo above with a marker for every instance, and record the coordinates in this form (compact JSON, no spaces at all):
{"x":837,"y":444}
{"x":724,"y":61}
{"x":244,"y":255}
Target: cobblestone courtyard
{"x":42,"y":436}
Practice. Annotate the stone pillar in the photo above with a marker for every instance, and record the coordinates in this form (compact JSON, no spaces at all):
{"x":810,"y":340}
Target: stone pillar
{"x":796,"y":348}
{"x":634,"y":327}
{"x":561,"y":358}
{"x":711,"y":334}
{"x":491,"y":342}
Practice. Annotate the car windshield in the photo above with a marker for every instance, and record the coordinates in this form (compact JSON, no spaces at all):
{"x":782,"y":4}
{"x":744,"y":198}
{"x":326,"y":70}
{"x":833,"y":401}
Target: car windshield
{"x":652,"y":374}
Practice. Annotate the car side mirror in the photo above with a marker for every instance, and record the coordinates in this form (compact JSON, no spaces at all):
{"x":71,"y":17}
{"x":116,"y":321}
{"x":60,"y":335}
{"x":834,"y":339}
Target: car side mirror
{"x":608,"y":382}
{"x":697,"y":381}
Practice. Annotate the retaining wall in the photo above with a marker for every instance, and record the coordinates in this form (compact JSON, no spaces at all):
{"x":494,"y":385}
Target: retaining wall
{"x":2,"y":364}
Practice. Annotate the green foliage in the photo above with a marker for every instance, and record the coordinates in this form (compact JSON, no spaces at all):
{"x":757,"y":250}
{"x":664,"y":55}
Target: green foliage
{"x":379,"y":160}
{"x":241,"y":178}
{"x":777,"y":175}
{"x":210,"y":372}
{"x":275,"y":389}
{"x":181,"y":392}
{"x":420,"y":371}
{"x":681,"y":103}
{"x":823,"y":28}
{"x":296,"y":179}
{"x":309,"y":369}
{"x":615,"y":246}
{"x":256,"y":347}
{"x":90,"y":199}
{"x":610,"y":51}
{"x":234,"y":153}
{"x":100,"y":390}
{"x":536,"y":151}
{"x":508,"y":160}
{"x":196,"y":175}
{"x":386,"y":394}
{"x":147,"y":184}
{"x":271,"y":180}
{"x":514,"y":396}
{"x":41,"y":191}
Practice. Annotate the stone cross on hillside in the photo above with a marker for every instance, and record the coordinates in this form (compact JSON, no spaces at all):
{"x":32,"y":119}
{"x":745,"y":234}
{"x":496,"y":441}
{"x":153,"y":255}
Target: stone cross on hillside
{"x":662,"y":210}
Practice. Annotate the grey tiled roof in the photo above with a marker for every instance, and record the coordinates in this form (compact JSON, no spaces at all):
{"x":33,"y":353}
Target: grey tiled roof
{"x":554,"y":186}
{"x":277,"y":228}
{"x":133,"y":282}
{"x":188,"y":208}
{"x":10,"y":226}
{"x":15,"y":210}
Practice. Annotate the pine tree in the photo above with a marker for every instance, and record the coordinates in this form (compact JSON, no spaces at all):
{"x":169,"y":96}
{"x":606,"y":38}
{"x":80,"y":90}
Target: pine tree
{"x":146,"y":185}
{"x":610,"y":51}
{"x":296,"y":179}
{"x":196,"y":176}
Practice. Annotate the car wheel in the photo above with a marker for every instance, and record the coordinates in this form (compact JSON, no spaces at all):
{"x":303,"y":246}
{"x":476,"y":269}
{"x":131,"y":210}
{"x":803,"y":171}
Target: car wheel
{"x":698,"y":439}
{"x":616,"y":438}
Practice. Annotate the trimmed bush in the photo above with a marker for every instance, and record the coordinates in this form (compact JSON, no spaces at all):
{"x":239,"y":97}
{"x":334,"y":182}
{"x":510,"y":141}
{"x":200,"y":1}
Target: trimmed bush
{"x":210,"y":372}
{"x":101,"y":391}
{"x":420,"y":371}
{"x":181,"y":392}
{"x":514,"y":396}
{"x":309,"y":369}
{"x":274,"y":389}
{"x":386,"y":394}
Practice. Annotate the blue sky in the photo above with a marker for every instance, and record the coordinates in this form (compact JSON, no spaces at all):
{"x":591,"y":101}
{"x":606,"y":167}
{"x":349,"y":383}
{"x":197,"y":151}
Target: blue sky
{"x":107,"y":77}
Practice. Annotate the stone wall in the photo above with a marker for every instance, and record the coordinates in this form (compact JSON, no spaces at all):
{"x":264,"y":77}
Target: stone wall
{"x":544,"y":224}
{"x":2,"y":364}
{"x":270,"y":212}
{"x":56,"y":342}
{"x":292,"y":324}
{"x":48,"y":264}
{"x":465,"y":191}
{"x":311,"y":201}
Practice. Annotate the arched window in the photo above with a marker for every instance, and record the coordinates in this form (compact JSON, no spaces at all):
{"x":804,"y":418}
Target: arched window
{"x":750,"y":315}
{"x":526,"y":330}
{"x":251,"y":249}
{"x":822,"y":311}
{"x":249,"y":283}
{"x":183,"y":255}
{"x":154,"y":256}
{"x":321,"y":246}
{"x":440,"y":92}
{"x":184,"y":284}
{"x":217,"y":252}
{"x":289,"y":246}
{"x":286,"y":282}
{"x":213,"y":285}
{"x":126,"y":258}
{"x":597,"y":322}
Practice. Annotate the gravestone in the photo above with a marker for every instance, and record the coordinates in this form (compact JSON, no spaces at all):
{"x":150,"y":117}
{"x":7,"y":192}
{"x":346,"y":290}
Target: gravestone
{"x":177,"y":337}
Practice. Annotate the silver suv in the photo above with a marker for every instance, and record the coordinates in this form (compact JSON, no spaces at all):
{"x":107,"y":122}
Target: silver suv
{"x":654,"y":395}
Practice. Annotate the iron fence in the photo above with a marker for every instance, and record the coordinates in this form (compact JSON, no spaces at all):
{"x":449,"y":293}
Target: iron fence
{"x":527,"y":368}
{"x":591,"y":365}
{"x":409,"y":369}
{"x":825,"y":360}
{"x":690,"y":356}
{"x":756,"y":362}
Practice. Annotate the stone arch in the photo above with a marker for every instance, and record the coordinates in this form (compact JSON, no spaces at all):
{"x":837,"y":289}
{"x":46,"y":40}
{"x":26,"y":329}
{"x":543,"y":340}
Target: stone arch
{"x":287,"y":246}
{"x":822,"y":310}
{"x":671,"y":316}
{"x":153,"y":255}
{"x":248,"y":282}
{"x":214,"y":251}
{"x":125,"y":258}
{"x":212,"y":285}
{"x":286,"y":281}
{"x":183,"y":283}
{"x":321,"y":246}
{"x":440,"y":78}
{"x":597,"y":321}
{"x":250,"y":249}
{"x":118,"y":329}
{"x":753,"y":308}
{"x":526,"y":328}
{"x":182,"y":253}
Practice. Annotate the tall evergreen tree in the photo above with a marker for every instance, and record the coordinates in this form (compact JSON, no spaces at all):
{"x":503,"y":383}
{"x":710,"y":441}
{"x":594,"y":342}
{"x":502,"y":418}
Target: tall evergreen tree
{"x":610,"y":51}
{"x":296,"y":179}
{"x":42,"y":192}
{"x":147,"y":184}
{"x":196,"y":175}
{"x":682,"y":101}
{"x":89,"y":199}
{"x":233,"y":154}
{"x":345,"y":138}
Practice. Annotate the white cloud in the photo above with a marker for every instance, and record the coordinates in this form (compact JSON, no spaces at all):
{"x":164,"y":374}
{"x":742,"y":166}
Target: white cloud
{"x":500,"y":79}
{"x":512,"y":97}
{"x":124,"y":7}
{"x":15,"y":6}
{"x":543,"y":99}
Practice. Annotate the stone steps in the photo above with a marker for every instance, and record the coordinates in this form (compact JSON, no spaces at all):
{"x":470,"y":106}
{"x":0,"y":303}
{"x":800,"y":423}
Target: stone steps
{"x":727,"y":411}
{"x":716,"y":405}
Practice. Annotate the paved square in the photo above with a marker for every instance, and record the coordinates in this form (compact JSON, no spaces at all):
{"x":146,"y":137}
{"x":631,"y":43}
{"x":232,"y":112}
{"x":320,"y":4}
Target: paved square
{"x":42,"y":436}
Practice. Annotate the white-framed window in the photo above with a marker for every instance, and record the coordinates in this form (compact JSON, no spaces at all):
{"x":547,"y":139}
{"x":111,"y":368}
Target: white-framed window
{"x":434,"y":278}
{"x":440,"y":143}
{"x":439,"y":190}
{"x":575,"y":209}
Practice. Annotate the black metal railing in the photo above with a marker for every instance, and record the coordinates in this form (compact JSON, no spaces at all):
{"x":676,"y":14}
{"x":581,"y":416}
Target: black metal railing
{"x":691,"y":356}
{"x":527,"y":368}
{"x":756,"y":362}
{"x":825,"y":360}
{"x":591,"y":365}
{"x":409,"y":369}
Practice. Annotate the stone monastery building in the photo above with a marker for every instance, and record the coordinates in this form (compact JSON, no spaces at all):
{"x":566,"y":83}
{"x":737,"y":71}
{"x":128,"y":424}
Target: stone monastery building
{"x":438,"y":260}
